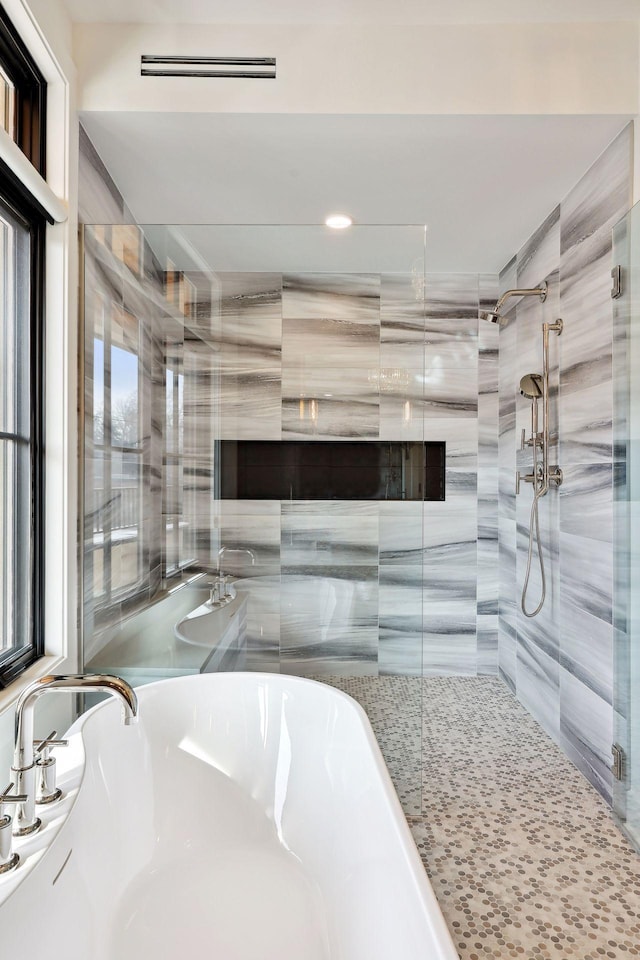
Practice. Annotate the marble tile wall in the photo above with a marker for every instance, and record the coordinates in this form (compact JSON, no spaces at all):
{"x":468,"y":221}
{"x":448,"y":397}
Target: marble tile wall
{"x":560,"y":663}
{"x":381,"y":588}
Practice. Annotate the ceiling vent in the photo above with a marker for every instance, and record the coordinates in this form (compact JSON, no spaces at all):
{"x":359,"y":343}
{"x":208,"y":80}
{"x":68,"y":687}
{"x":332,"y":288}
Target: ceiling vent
{"x":243,"y":67}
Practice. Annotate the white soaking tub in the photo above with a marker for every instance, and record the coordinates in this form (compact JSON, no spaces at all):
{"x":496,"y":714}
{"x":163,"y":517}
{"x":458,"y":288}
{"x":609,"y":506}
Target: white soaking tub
{"x":245,"y":817}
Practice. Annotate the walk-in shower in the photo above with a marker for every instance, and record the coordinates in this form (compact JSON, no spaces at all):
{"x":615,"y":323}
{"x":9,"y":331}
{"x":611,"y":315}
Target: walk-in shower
{"x":534,"y":387}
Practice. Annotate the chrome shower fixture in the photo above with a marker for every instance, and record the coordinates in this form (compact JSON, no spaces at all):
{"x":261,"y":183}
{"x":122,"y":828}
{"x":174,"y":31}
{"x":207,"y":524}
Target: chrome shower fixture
{"x":494,"y":316}
{"x":535,"y":387}
{"x":532,"y":386}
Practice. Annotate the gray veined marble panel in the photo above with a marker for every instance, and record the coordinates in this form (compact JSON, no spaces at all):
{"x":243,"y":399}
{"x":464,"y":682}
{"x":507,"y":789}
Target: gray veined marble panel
{"x":323,"y":594}
{"x":445,"y":525}
{"x":250,"y":405}
{"x":487,"y":596}
{"x":600,"y":199}
{"x":488,"y":512}
{"x":450,"y":343}
{"x":487,"y":658}
{"x":366,"y":509}
{"x":401,"y":536}
{"x":400,"y":590}
{"x":328,"y":541}
{"x":488,"y":404}
{"x":586,"y":575}
{"x":334,"y":296}
{"x":507,"y":653}
{"x":538,"y":685}
{"x":246,"y":508}
{"x":488,"y":288}
{"x":586,"y":433}
{"x":449,"y":645}
{"x":488,"y":369}
{"x":245,"y":296}
{"x":587,"y":335}
{"x":402,"y":319}
{"x":506,"y":492}
{"x":337,"y":649}
{"x":586,"y":727}
{"x":451,"y":392}
{"x":461,"y":486}
{"x":539,"y":257}
{"x":452,"y":295}
{"x":330,"y":403}
{"x":586,"y":501}
{"x":317,"y":342}
{"x":400,"y":645}
{"x":586,"y":650}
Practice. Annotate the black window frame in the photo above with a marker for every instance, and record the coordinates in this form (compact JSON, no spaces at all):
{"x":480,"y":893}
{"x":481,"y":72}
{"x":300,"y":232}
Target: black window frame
{"x":30,"y":94}
{"x":30,"y":135}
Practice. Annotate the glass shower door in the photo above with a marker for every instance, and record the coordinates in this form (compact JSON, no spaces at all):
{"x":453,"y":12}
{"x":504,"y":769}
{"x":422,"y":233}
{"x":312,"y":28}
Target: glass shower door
{"x":626,"y":370}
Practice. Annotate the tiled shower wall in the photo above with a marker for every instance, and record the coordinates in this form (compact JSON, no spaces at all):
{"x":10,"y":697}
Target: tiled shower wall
{"x":560,"y":663}
{"x":359,"y":586}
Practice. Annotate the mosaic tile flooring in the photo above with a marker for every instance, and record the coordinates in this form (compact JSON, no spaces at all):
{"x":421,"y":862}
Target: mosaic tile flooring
{"x":522,"y":853}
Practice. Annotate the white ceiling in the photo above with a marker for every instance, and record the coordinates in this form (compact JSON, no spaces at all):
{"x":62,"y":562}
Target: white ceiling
{"x":481,"y":184}
{"x":351,"y":11}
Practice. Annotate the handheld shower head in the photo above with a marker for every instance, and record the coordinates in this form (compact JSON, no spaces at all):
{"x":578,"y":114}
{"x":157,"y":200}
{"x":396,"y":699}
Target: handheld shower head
{"x":531,"y":386}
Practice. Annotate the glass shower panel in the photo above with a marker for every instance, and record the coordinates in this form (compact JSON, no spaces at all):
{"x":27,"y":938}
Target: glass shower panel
{"x":626,"y":361}
{"x":199,"y":337}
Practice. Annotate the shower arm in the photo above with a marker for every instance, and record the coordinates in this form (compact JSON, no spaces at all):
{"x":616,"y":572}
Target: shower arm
{"x":535,"y":292}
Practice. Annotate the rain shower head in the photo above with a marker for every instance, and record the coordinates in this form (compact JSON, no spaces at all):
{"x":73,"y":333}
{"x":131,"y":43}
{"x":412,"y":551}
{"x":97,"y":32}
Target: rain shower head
{"x":490,"y":316}
{"x":531,"y":386}
{"x":494,"y":316}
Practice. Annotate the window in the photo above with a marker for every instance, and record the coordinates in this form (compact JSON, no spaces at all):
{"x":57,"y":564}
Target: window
{"x":118,"y":568}
{"x":23,"y":93}
{"x":22,"y":233}
{"x":21,"y":415}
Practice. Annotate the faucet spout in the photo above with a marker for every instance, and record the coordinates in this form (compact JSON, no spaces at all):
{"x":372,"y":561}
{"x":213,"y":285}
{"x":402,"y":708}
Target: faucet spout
{"x":24,"y":758}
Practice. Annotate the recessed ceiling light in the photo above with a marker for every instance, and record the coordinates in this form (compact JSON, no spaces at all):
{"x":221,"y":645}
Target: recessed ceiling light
{"x":338,"y":221}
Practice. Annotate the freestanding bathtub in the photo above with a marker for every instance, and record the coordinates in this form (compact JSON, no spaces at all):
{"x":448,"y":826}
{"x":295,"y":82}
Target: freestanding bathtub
{"x":245,"y":817}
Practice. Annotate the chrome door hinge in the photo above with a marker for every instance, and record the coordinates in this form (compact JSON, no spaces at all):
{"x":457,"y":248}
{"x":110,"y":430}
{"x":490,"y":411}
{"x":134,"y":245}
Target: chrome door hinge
{"x":616,"y":277}
{"x":617,"y":767}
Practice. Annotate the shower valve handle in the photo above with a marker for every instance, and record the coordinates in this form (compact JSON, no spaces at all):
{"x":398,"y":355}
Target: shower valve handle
{"x":536,"y":438}
{"x":527,"y":478}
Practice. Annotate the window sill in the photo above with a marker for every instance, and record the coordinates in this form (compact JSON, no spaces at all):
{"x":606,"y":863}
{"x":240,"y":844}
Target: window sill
{"x":42,"y":667}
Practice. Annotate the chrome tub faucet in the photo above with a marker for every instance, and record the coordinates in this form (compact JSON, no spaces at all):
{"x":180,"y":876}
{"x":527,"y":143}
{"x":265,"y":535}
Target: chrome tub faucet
{"x":30,"y":759}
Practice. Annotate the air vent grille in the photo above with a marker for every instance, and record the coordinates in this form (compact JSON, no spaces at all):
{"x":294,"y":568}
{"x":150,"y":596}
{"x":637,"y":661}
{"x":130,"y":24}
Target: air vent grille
{"x":242,"y":67}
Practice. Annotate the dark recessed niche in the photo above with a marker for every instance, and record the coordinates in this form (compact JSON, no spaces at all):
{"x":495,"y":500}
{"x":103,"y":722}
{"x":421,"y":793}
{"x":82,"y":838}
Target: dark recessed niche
{"x":321,"y":470}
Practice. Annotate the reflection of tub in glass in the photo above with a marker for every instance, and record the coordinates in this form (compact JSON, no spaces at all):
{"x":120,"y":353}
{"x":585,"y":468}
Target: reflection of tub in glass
{"x":209,"y":624}
{"x":219,"y":632}
{"x":323,"y":624}
{"x":179,"y":635}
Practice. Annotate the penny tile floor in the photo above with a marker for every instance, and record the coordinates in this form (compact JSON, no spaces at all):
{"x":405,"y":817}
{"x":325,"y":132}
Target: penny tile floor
{"x":522,"y":852}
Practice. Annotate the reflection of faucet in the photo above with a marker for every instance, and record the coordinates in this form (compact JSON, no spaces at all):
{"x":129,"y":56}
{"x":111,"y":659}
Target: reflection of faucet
{"x":25,"y":758}
{"x":223,"y":550}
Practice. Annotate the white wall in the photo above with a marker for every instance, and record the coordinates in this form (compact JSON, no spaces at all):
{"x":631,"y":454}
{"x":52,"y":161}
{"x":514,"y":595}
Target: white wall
{"x":440,"y":69}
{"x":46,"y":29}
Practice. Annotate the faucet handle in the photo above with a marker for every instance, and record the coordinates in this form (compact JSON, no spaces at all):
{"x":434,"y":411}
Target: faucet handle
{"x":46,"y":790}
{"x":42,"y":747}
{"x":8,"y":859}
{"x":7,"y":797}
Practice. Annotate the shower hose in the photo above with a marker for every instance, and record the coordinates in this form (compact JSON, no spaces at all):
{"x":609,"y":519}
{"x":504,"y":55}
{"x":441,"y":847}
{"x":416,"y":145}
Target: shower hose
{"x":534,"y":523}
